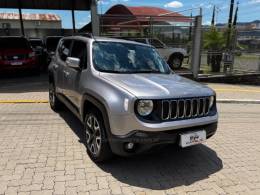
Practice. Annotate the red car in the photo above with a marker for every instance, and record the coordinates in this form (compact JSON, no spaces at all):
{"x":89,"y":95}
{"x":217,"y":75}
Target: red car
{"x":17,"y":54}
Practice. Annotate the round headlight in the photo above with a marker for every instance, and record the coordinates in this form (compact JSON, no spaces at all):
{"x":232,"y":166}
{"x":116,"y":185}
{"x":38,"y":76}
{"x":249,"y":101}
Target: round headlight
{"x":145,"y":107}
{"x":211,"y":101}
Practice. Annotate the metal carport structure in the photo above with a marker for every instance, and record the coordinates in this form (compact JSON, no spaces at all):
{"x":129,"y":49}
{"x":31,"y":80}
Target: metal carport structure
{"x":71,"y":5}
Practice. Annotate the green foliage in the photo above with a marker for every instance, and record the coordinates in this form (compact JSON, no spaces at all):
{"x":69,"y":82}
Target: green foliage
{"x":214,"y":40}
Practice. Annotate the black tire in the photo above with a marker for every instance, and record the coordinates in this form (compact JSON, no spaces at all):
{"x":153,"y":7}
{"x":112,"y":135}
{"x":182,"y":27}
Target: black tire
{"x":55,"y":103}
{"x":97,"y":144}
{"x":175,"y":62}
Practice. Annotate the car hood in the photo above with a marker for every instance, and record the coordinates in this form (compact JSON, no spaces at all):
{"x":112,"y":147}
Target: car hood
{"x":158,"y":85}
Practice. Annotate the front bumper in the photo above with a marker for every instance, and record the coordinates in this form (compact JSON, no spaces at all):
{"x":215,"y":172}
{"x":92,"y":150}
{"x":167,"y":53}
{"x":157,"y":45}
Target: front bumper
{"x":144,"y":141}
{"x":125,"y":124}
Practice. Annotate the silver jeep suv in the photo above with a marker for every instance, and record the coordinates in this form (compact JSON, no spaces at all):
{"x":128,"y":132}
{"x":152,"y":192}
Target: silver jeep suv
{"x":127,"y":97}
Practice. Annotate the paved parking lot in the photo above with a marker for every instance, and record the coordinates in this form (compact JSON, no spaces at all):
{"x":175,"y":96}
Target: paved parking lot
{"x":42,"y":152}
{"x":35,"y":88}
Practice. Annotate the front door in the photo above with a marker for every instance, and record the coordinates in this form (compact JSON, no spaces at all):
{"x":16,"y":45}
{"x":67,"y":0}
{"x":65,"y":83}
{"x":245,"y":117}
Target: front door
{"x":72,"y":77}
{"x":60,"y":64}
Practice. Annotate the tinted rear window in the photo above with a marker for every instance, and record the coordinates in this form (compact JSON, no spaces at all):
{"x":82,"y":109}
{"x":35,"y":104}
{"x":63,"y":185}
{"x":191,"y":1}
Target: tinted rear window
{"x":36,"y":43}
{"x":51,"y":43}
{"x":14,"y":43}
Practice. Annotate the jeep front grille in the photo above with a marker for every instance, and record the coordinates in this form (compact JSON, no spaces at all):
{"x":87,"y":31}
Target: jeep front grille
{"x":185,"y":108}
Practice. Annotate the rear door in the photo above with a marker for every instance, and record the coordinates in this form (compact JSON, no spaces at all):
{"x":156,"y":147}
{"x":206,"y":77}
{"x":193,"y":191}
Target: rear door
{"x":73,"y":78}
{"x":60,"y":64}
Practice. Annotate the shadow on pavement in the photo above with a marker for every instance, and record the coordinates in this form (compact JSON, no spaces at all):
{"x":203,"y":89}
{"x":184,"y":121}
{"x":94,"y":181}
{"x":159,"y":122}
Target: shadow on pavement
{"x":166,"y":168}
{"x":24,"y":84}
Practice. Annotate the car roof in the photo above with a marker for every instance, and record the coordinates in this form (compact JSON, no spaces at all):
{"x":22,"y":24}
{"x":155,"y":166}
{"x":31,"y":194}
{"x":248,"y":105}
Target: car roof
{"x":105,"y":39}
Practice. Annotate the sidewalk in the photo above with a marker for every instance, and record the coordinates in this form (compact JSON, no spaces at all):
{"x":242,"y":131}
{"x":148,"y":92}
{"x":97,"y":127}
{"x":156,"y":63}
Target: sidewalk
{"x":35,"y":89}
{"x":236,"y":92}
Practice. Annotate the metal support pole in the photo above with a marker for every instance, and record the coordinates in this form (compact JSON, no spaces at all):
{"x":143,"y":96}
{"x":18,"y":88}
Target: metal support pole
{"x":94,"y":18}
{"x":196,"y":47}
{"x":73,"y":21}
{"x":259,"y":63}
{"x":21,"y":18}
{"x":150,"y":29}
{"x":73,"y":16}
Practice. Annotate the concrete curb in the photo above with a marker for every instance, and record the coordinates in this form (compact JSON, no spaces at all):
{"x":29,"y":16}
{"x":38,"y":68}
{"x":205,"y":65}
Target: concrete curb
{"x":237,"y":101}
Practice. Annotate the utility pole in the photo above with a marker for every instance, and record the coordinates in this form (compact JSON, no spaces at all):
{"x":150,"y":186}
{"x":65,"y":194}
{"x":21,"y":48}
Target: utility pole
{"x":234,"y":35}
{"x":190,"y":30}
{"x":235,"y":18}
{"x":213,"y":16}
{"x":230,"y":23}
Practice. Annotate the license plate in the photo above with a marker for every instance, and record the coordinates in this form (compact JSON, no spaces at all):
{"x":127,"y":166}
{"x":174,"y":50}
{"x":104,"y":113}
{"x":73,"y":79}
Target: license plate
{"x":16,"y":63}
{"x":192,"y":138}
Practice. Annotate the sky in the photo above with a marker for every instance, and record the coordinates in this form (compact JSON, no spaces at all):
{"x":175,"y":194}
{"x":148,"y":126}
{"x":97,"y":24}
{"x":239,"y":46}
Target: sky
{"x":248,"y":9}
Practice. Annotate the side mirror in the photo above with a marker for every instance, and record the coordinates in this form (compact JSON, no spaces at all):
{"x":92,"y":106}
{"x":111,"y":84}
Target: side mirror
{"x":73,"y":62}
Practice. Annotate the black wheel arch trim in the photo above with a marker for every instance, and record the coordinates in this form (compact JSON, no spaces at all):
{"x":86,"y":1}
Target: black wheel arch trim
{"x":102,"y":109}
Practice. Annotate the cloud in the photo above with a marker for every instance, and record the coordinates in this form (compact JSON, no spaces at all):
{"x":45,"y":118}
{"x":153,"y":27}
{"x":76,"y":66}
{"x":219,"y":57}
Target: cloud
{"x":107,"y":2}
{"x":206,"y":22}
{"x":254,"y":1}
{"x":118,"y":1}
{"x":174,"y":4}
{"x":103,"y":2}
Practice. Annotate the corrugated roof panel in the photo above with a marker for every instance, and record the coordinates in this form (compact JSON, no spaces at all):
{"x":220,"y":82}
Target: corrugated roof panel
{"x":42,"y":17}
{"x":47,"y":4}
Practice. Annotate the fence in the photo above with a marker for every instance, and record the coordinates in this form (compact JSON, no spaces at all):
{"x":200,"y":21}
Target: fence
{"x":243,"y":58}
{"x":172,"y":32}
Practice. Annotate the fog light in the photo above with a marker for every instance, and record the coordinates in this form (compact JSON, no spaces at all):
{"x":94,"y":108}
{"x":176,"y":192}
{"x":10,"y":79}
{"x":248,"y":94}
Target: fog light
{"x":129,"y":146}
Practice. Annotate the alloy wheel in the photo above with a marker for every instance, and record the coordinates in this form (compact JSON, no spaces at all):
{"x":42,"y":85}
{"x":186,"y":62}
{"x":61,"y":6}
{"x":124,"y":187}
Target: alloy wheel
{"x":93,"y":135}
{"x":176,"y":62}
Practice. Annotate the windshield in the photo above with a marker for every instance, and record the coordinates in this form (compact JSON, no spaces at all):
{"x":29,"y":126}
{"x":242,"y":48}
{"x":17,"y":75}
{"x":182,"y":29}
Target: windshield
{"x":14,"y":43}
{"x":118,"y":57}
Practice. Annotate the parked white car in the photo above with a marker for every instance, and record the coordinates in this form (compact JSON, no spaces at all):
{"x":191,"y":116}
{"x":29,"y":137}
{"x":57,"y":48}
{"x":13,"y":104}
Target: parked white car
{"x":173,"y":56}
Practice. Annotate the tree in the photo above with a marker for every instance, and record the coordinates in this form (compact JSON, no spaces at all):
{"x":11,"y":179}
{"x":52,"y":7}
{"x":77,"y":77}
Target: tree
{"x":214,"y":42}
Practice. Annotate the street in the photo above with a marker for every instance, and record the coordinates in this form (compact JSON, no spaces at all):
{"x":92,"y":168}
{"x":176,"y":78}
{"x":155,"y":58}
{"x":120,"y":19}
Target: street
{"x":42,"y":152}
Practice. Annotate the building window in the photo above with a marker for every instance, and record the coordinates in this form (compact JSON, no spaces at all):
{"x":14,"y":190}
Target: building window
{"x":38,"y":23}
{"x":6,"y":25}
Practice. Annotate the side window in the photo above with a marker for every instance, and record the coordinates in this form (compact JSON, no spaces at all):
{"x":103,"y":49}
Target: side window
{"x":156,"y":43}
{"x":140,"y":41}
{"x":79,"y":50}
{"x":64,"y":50}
